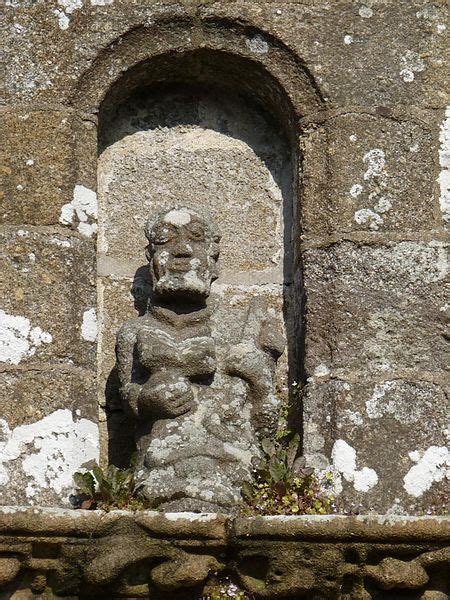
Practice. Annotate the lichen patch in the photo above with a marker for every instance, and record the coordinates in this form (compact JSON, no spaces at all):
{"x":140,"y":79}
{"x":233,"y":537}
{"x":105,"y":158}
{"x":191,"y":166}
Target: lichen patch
{"x":18,"y":339}
{"x":344,"y":461}
{"x":444,"y":161}
{"x":47,"y":452}
{"x":84,"y":206}
{"x":433,"y":466}
{"x":89,"y":325}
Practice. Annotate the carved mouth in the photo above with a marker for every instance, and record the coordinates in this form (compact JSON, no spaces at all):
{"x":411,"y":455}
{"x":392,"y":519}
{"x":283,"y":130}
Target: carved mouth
{"x":180,"y":265}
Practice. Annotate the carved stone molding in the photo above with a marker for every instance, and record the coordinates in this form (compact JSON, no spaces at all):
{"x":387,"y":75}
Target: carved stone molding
{"x":93,"y":554}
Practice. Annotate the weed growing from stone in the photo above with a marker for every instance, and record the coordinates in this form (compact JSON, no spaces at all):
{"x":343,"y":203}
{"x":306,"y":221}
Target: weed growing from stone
{"x":107,"y":489}
{"x":224,"y":590}
{"x":283,"y":485}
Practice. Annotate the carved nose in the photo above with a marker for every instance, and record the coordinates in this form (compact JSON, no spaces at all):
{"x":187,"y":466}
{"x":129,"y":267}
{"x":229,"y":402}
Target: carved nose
{"x":182,"y":249}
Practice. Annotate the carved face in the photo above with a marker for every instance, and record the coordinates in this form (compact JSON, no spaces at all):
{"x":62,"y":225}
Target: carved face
{"x":183,"y":254}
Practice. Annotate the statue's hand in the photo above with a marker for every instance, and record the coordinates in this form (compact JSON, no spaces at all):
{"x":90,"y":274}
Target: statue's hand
{"x":165,"y":395}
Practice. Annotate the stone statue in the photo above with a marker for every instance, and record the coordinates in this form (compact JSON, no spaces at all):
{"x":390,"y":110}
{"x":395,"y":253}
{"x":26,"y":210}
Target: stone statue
{"x":202,"y":405}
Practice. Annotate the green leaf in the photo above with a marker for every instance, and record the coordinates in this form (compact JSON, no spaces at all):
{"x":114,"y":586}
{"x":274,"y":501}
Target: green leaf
{"x":98,"y":474}
{"x":85,"y":483}
{"x":276,"y":470}
{"x":299,"y":465}
{"x":292,"y":449}
{"x":264,"y":473}
{"x":268,"y":447}
{"x":106,"y":491}
{"x":247,"y":490}
{"x":111,"y":473}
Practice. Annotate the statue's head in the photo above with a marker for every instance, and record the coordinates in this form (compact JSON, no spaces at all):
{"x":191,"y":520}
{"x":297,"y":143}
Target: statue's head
{"x":183,"y":251}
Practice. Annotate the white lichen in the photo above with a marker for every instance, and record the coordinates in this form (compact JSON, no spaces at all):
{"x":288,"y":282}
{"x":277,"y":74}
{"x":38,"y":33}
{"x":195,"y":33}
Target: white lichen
{"x":178,"y":217}
{"x":383,"y":205}
{"x":47,"y":452}
{"x":89,"y":325}
{"x":444,"y":161}
{"x":411,"y":63}
{"x":356,"y":190}
{"x":18,"y":339}
{"x":374,"y":408}
{"x":407,"y":75}
{"x":354,"y":417}
{"x":375,"y":161}
{"x":87,"y":229}
{"x":344,"y":459}
{"x":366,"y":215}
{"x":257,"y":45}
{"x":321,"y":371}
{"x":63,"y":19}
{"x":70,"y":5}
{"x":67,"y":8}
{"x":190,"y":516}
{"x":84,"y":206}
{"x":432,"y":467}
{"x":365,"y":12}
{"x":365,"y":479}
{"x":344,"y":462}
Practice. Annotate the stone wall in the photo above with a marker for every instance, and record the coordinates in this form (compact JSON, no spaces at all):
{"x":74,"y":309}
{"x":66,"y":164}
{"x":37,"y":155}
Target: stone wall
{"x":337,"y":133}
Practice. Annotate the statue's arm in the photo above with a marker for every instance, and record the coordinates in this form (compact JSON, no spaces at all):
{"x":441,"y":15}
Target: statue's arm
{"x":262,"y":343}
{"x":128,"y":369}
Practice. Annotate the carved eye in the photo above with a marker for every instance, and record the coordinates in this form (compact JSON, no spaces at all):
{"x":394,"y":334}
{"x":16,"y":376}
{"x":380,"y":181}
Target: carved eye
{"x":162,"y":234}
{"x":196,"y":232}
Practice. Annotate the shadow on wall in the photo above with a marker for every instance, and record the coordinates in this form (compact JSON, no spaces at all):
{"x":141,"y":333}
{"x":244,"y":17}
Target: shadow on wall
{"x":209,"y":144}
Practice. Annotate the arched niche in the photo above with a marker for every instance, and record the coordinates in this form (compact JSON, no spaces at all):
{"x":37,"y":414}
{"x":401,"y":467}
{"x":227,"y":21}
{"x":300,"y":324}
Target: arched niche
{"x":204,"y":116}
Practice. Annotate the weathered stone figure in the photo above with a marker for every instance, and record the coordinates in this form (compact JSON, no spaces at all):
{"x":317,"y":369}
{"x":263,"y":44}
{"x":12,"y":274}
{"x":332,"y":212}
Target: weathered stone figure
{"x":201,"y":405}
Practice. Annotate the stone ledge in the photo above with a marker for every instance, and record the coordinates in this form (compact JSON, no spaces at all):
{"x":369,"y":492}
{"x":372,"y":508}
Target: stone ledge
{"x":97,"y":554}
{"x":83,"y":523}
{"x":376,"y":528}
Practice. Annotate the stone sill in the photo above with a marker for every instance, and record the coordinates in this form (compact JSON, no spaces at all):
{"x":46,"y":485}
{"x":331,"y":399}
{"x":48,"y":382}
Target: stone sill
{"x":87,"y":523}
{"x":66,"y":553}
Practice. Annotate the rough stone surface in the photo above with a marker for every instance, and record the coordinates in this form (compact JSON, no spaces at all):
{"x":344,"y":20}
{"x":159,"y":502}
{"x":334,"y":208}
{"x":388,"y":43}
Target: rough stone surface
{"x":371,"y":172}
{"x":90,"y":554}
{"x":39,"y":166}
{"x":48,"y":410}
{"x":50,"y":281}
{"x":42,"y":443}
{"x":313,"y":134}
{"x":344,"y":423}
{"x":370,"y":70}
{"x":376,"y":309}
{"x":57,"y":388}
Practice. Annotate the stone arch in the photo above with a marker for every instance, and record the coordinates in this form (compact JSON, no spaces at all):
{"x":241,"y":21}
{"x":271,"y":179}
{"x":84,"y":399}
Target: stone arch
{"x":215,"y":58}
{"x":274,"y":60}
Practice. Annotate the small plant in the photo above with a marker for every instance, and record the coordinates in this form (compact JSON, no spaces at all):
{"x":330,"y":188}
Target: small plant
{"x":283,"y":485}
{"x":224,"y":590}
{"x":106,"y":489}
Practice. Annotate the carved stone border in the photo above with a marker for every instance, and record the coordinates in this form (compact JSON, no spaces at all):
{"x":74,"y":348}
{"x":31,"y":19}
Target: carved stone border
{"x":93,"y":554}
